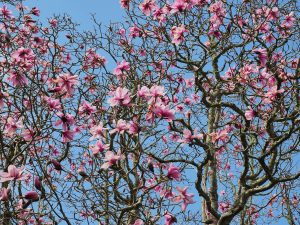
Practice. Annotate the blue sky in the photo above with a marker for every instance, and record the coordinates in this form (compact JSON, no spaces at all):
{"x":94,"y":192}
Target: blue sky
{"x":80,"y":10}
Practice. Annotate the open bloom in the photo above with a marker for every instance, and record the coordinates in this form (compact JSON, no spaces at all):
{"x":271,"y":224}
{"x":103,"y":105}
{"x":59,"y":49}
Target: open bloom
{"x":163,"y":111}
{"x":121,"y":127}
{"x":120,"y":97}
{"x":12,"y":125}
{"x":111,"y":159}
{"x":121,"y":69}
{"x":184,"y":197}
{"x":67,"y":82}
{"x":4,"y":194}
{"x":13,"y":173}
{"x":178,"y":34}
{"x":23,"y":54}
{"x":147,"y":6}
{"x":99,"y":147}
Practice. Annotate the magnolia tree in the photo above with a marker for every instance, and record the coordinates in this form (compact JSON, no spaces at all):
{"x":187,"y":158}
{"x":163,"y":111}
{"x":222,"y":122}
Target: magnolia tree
{"x":186,"y":113}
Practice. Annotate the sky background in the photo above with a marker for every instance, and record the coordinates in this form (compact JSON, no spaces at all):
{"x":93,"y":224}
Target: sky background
{"x":106,"y":11}
{"x":80,"y":10}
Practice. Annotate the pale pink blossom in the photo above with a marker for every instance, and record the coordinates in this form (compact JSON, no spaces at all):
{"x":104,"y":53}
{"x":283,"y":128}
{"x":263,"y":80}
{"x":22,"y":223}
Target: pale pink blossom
{"x":121,"y":69}
{"x":13,"y":173}
{"x":12,"y":125}
{"x":163,"y":111}
{"x":177,"y":34}
{"x":86,"y":108}
{"x":184,"y":197}
{"x":121,"y":97}
{"x":67,"y":82}
{"x":111,"y":159}
{"x":99,"y":147}
{"x":5,"y":12}
{"x":121,"y":127}
{"x":98,"y":131}
{"x":4,"y":194}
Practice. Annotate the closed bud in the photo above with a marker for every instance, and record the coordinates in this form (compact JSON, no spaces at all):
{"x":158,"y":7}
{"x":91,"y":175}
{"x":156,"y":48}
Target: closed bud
{"x":31,"y":195}
{"x":56,"y":164}
{"x":37,"y":183}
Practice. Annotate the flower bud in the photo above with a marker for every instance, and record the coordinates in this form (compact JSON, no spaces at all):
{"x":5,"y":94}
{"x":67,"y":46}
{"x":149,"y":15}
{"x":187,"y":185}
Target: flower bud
{"x":31,"y":195}
{"x":56,"y":164}
{"x":37,"y":183}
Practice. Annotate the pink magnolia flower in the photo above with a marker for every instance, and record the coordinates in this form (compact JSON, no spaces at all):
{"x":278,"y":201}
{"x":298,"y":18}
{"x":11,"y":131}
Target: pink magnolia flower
{"x":143,"y":92}
{"x":67,"y":135}
{"x":13,"y":173}
{"x":184,"y":197}
{"x":4,"y":194}
{"x":224,"y":206}
{"x":179,"y":6}
{"x":121,"y":97}
{"x":121,"y":127}
{"x":177,"y":34}
{"x":174,"y":173}
{"x":12,"y":125}
{"x":28,"y":134}
{"x":67,"y":82}
{"x":220,"y":135}
{"x":23,"y":54}
{"x":98,"y":131}
{"x":133,"y":128}
{"x":135,"y":32}
{"x":155,"y":92}
{"x":262,"y":55}
{"x":271,"y":95}
{"x":120,"y":70}
{"x":170,"y":219}
{"x":37,"y":183}
{"x":5,"y":12}
{"x":289,"y":21}
{"x":53,"y":22}
{"x":35,"y":11}
{"x":99,"y":147}
{"x":111,"y":159}
{"x":86,"y":109}
{"x":138,"y":222}
{"x":273,"y":14}
{"x":250,"y":114}
{"x":53,"y":104}
{"x":17,"y":79}
{"x":147,"y":6}
{"x":159,"y":15}
{"x":189,"y":137}
{"x":66,"y":120}
{"x":163,"y":111}
{"x":125,"y":4}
